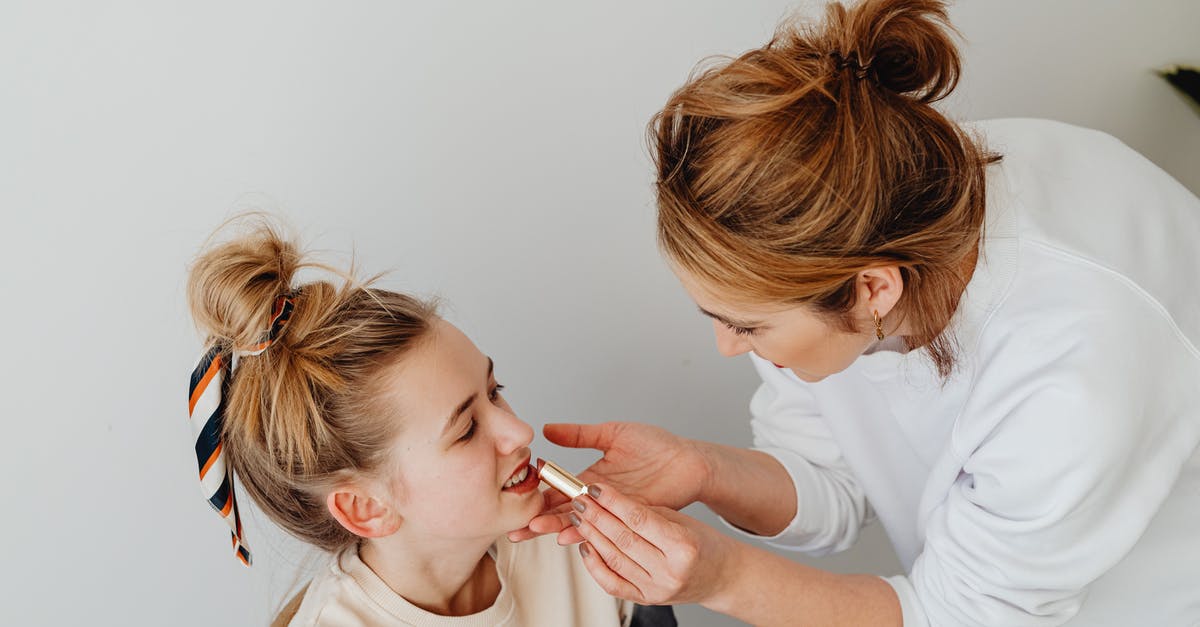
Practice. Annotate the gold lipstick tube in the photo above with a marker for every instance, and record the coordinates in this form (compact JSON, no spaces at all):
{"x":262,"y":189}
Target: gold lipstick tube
{"x":559,"y":479}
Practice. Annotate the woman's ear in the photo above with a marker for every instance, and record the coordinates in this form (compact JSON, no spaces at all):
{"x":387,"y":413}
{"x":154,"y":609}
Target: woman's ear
{"x":879,"y":289}
{"x":361,"y":513}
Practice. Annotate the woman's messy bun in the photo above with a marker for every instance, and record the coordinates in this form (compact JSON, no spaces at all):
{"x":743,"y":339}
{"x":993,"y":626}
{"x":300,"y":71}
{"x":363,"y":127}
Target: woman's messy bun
{"x":301,"y":416}
{"x":785,"y":172}
{"x":904,"y":46}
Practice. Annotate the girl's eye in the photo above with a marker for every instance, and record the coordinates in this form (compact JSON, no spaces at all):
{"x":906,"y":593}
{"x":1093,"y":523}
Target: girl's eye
{"x":470,"y":432}
{"x":740,"y":330}
{"x":495,"y":393}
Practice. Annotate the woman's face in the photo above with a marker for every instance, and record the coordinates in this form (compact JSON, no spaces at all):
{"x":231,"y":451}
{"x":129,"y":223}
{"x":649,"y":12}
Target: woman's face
{"x":460,"y":445}
{"x":790,"y":336}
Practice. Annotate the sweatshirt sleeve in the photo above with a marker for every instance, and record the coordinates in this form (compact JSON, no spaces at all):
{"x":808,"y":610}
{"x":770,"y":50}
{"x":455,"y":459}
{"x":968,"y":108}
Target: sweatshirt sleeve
{"x":831,"y":508}
{"x":1068,"y":448}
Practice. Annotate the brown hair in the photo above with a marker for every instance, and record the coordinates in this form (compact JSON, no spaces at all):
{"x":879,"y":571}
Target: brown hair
{"x":785,"y":172}
{"x":300,"y":417}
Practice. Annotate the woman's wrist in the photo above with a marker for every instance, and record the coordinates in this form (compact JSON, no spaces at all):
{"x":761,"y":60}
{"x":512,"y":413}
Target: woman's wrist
{"x":737,"y":569}
{"x":708,"y":455}
{"x":750,"y":489}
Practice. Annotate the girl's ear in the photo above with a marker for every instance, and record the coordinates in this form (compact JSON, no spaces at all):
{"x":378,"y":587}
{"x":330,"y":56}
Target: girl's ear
{"x":362,"y":514}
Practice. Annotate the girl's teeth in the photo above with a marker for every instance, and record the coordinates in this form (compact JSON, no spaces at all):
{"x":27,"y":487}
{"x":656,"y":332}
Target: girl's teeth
{"x":517,"y":478}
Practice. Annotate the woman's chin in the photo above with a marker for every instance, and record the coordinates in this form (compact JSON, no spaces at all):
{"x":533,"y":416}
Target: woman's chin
{"x":807,"y":377}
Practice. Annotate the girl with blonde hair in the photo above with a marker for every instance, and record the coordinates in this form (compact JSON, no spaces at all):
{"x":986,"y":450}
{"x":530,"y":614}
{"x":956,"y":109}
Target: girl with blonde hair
{"x":365,"y":425}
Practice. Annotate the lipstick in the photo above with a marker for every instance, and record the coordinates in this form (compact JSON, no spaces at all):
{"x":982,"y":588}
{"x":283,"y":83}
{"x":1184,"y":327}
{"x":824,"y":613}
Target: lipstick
{"x":559,"y":479}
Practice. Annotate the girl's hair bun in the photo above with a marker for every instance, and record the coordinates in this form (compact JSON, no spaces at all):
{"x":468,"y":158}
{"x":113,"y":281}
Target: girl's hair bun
{"x":905,"y":46}
{"x":233,"y":285}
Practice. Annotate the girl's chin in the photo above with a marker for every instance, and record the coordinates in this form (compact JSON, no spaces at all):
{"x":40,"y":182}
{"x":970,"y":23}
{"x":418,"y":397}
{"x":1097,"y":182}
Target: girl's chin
{"x":532,"y":510}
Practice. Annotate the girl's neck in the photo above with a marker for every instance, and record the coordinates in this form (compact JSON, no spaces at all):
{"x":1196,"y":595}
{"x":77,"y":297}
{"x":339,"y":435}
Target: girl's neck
{"x":443,"y":578}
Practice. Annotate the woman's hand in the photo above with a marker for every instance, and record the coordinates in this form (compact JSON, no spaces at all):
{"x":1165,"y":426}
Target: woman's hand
{"x":650,"y":555}
{"x":645,"y":462}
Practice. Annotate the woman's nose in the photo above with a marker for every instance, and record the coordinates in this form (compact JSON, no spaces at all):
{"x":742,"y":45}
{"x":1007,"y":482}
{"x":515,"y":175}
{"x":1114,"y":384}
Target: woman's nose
{"x":730,"y":344}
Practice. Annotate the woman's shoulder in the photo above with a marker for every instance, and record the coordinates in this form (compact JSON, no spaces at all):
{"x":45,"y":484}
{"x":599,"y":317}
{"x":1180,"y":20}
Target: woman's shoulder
{"x":1023,"y":136}
{"x":1100,"y":230}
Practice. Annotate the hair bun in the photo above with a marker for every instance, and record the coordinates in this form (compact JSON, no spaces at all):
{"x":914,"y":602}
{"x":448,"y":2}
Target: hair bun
{"x":904,"y":45}
{"x":233,"y":286}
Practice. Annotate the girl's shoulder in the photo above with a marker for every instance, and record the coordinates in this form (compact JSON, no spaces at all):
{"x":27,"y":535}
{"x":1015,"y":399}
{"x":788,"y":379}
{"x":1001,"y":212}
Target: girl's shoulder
{"x":550,"y":581}
{"x":335,"y":597}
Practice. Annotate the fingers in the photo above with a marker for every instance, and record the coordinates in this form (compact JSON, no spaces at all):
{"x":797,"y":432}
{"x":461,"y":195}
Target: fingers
{"x":609,"y":580}
{"x":551,"y":522}
{"x":574,"y":435}
{"x":521,"y":535}
{"x":623,"y":562}
{"x":570,"y":535}
{"x":625,"y":551}
{"x":643,"y":520}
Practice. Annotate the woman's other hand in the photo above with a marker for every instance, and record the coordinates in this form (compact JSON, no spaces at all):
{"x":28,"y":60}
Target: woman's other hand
{"x":650,"y":555}
{"x":647,"y":463}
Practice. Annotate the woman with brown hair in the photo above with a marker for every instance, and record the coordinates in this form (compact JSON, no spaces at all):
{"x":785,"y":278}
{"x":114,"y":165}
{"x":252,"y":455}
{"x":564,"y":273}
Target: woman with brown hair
{"x":984,"y":335}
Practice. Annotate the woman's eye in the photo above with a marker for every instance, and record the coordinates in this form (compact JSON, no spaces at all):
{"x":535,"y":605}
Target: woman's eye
{"x":495,"y":393}
{"x":470,"y":432}
{"x":740,"y":330}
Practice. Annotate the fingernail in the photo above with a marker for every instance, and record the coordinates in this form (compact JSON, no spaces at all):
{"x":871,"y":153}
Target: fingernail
{"x":594,"y":491}
{"x":584,"y":550}
{"x":579,"y":506}
{"x":574,"y":519}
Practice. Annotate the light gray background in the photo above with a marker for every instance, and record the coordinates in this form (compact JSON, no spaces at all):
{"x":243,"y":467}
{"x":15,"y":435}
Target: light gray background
{"x":489,"y":152}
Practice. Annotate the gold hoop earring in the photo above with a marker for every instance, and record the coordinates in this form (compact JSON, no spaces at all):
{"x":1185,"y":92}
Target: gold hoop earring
{"x":878,"y":326}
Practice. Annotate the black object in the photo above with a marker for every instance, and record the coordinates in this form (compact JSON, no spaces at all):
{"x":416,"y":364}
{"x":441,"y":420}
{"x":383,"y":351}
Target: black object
{"x":653,"y":616}
{"x":1186,"y":80}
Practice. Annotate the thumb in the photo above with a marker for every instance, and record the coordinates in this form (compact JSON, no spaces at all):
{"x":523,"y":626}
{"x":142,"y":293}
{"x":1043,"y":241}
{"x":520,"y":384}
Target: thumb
{"x":573,"y":435}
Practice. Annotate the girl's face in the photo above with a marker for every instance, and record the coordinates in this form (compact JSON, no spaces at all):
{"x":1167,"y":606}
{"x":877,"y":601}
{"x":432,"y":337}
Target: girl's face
{"x":460,"y":447}
{"x":790,"y":336}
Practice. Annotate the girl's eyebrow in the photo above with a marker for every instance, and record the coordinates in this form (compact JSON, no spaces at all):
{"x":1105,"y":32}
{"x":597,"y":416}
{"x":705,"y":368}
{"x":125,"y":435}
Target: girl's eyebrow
{"x":462,"y":407}
{"x":728,"y":321}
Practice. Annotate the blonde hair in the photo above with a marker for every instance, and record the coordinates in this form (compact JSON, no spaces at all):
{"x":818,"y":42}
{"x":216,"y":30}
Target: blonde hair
{"x":301,"y":417}
{"x":785,"y":172}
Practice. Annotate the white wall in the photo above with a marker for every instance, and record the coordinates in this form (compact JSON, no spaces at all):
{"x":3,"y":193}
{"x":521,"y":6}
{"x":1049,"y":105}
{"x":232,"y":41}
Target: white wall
{"x":489,"y":152}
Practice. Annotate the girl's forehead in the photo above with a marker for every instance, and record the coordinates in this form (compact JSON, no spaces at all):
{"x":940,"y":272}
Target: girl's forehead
{"x":435,"y":379}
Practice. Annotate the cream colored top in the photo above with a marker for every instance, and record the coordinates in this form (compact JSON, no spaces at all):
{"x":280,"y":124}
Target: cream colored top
{"x":541,"y":584}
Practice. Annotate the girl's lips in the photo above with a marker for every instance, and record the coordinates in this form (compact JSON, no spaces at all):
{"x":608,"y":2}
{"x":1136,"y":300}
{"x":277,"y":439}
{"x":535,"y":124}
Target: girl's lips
{"x":776,"y":365}
{"x":529,"y":483}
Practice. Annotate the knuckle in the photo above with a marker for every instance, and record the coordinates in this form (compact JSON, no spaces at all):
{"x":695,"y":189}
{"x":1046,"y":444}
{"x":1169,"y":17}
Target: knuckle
{"x":624,"y":540}
{"x":687,"y":554}
{"x":638,"y":516}
{"x":615,"y":562}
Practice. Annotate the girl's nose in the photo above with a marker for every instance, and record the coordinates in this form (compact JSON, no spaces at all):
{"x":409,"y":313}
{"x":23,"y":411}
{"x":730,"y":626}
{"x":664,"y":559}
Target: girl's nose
{"x":511,"y":433}
{"x":730,"y":344}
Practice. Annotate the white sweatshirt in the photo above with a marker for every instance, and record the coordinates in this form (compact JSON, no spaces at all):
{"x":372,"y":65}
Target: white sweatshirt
{"x":1055,"y":478}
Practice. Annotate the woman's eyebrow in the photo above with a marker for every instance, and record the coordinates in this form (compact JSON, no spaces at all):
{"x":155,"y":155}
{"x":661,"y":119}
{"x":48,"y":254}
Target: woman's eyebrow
{"x":728,"y":321}
{"x":462,"y":407}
